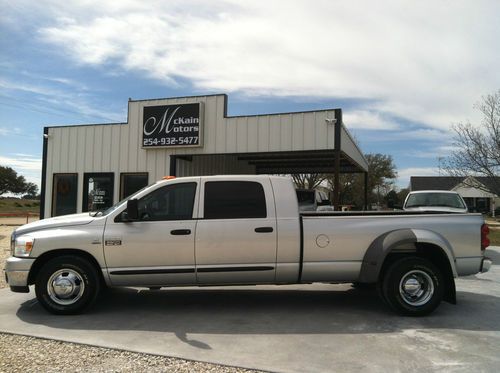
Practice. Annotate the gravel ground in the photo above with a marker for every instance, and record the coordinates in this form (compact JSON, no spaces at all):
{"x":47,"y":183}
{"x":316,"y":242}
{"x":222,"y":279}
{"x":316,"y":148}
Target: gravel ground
{"x":27,"y":354}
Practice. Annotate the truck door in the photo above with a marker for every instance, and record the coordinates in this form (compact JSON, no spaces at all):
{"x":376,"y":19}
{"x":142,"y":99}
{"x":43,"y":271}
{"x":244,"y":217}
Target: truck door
{"x":159,"y":248}
{"x":236,"y":233}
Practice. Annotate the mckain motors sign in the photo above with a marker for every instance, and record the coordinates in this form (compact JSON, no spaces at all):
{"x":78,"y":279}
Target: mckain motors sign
{"x":172,"y":125}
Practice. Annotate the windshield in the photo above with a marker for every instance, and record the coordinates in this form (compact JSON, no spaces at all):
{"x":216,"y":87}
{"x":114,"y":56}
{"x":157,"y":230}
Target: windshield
{"x":114,"y":207}
{"x":435,"y":200}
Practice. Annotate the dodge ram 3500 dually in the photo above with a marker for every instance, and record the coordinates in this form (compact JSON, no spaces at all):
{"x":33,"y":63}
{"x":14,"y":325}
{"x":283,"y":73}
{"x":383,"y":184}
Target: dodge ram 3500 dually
{"x":226,"y":230}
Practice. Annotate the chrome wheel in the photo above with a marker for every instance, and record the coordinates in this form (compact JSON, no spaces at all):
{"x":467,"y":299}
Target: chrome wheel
{"x":65,"y":286}
{"x":416,"y":288}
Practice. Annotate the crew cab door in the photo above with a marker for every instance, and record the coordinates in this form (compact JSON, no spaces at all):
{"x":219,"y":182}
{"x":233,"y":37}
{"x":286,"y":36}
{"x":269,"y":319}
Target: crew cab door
{"x":236,"y":232}
{"x":159,"y":248}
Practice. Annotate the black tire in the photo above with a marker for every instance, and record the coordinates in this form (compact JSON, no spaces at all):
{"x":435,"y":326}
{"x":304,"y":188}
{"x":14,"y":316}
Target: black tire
{"x":75,"y":285}
{"x":413,"y":286}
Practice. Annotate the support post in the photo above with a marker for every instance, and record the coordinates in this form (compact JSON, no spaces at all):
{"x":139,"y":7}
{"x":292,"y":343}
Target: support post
{"x":43,"y":189}
{"x":366,"y":190}
{"x":337,"y":142}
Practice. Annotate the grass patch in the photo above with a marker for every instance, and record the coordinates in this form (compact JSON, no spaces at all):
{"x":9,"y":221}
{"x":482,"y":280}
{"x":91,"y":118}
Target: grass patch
{"x":13,"y":205}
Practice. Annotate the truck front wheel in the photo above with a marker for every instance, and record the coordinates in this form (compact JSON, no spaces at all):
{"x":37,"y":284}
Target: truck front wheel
{"x":67,"y":285}
{"x":413,"y":286}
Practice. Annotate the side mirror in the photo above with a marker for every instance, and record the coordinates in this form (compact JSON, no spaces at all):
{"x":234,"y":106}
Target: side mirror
{"x":132,"y":212}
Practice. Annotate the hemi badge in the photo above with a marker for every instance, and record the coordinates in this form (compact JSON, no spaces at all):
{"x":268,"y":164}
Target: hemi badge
{"x":113,"y":242}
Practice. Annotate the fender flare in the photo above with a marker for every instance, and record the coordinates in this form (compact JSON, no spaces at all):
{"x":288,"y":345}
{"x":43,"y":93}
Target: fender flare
{"x":378,"y":250}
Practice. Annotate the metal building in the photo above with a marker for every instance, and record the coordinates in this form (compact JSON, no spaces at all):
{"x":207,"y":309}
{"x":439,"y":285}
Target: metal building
{"x":88,"y":167}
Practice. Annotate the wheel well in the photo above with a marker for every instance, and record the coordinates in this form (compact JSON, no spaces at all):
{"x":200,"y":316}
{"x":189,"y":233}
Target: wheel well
{"x":45,"y":257}
{"x":435,"y":255}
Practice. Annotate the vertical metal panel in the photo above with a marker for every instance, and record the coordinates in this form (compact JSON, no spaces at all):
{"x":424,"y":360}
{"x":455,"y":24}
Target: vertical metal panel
{"x":297,"y":131}
{"x":73,"y":150}
{"x":274,"y":133}
{"x":241,"y":135}
{"x":320,"y":125}
{"x":63,"y":139}
{"x":82,"y":154}
{"x":330,"y":131}
{"x":252,"y":133}
{"x":118,"y":148}
{"x":263,"y":135}
{"x":98,"y":148}
{"x":221,"y":125}
{"x":231,"y":135}
{"x":309,"y":135}
{"x":286,"y":131}
{"x":348,"y":146}
{"x":89,"y":148}
{"x":210,"y":130}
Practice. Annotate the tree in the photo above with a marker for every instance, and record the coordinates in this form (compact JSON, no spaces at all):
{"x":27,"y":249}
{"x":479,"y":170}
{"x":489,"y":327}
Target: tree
{"x":402,"y":194}
{"x":477,"y":147}
{"x":31,"y":190}
{"x":308,"y":181}
{"x":392,"y":199}
{"x":381,"y":175}
{"x":10,"y":182}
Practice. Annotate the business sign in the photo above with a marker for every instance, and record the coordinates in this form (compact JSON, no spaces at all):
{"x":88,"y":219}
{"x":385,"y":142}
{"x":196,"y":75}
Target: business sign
{"x":172,"y":125}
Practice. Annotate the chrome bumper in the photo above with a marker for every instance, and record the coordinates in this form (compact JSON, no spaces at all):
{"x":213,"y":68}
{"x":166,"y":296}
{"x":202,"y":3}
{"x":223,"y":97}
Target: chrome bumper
{"x":485,"y":265}
{"x":16,"y":273}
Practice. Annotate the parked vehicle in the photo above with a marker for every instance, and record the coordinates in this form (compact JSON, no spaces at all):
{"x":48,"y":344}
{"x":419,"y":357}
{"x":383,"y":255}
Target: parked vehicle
{"x":435,"y":200}
{"x":223,"y":230}
{"x":313,"y":200}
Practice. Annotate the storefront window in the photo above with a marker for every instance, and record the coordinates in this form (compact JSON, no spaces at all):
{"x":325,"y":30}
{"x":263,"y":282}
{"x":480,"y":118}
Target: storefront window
{"x":131,"y":183}
{"x":64,"y":194}
{"x":97,"y":191}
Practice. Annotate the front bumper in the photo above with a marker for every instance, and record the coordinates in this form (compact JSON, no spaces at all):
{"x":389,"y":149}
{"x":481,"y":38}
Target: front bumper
{"x":16,"y":273}
{"x":485,"y":265}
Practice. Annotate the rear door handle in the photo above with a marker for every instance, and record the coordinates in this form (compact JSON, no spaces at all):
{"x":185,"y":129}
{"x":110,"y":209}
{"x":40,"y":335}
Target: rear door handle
{"x":180,"y":232}
{"x":264,"y":229}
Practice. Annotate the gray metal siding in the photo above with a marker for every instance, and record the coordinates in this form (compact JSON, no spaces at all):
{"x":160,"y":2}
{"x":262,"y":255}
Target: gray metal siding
{"x":117,"y":147}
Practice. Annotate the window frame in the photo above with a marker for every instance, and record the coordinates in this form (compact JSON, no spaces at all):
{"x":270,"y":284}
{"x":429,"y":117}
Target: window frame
{"x":53,"y":205}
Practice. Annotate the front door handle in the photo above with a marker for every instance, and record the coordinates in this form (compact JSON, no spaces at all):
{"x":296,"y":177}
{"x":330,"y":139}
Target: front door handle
{"x":180,"y":232}
{"x":264,"y":229}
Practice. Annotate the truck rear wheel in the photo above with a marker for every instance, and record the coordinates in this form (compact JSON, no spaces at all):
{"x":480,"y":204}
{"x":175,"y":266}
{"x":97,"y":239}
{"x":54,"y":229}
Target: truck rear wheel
{"x":413,"y":286}
{"x":67,"y":285}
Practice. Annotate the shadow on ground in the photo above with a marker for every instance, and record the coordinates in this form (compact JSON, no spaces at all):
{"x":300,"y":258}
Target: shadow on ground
{"x":249,"y":311}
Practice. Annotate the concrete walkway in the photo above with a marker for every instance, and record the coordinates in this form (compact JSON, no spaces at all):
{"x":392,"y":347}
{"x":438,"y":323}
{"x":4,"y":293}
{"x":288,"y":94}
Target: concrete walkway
{"x":317,"y":328}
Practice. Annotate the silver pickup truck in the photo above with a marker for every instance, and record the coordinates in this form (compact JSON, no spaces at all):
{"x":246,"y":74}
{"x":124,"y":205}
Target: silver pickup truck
{"x":224,"y":230}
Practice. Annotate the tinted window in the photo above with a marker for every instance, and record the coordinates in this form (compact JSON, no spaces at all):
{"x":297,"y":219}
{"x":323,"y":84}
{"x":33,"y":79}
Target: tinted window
{"x":131,"y":183}
{"x":234,"y":200}
{"x":64,"y":194}
{"x":171,"y":202}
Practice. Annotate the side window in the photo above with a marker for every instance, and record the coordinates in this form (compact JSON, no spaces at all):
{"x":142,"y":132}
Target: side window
{"x":234,"y":200}
{"x":172,"y":202}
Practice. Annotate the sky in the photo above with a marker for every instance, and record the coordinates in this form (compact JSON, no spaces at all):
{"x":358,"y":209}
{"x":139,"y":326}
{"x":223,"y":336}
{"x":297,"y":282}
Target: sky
{"x":402,"y":71}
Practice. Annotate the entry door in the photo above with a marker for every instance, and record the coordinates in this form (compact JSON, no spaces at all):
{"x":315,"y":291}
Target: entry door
{"x":236,"y":236}
{"x":159,"y":249}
